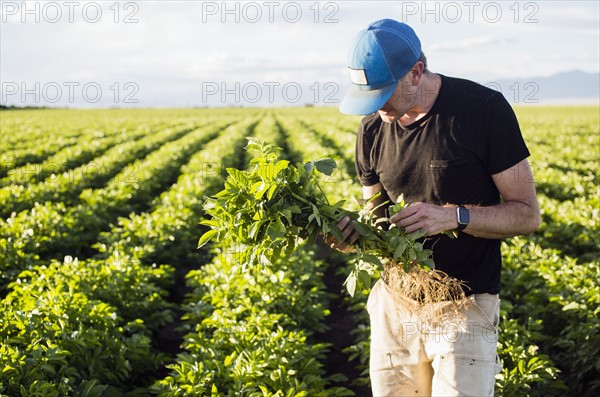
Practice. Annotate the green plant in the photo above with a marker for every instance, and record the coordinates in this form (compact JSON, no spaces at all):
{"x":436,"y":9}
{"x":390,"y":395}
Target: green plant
{"x":270,"y":208}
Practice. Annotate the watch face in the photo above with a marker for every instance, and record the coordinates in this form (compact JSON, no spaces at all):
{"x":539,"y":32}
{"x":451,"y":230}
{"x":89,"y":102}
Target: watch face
{"x":464,"y":216}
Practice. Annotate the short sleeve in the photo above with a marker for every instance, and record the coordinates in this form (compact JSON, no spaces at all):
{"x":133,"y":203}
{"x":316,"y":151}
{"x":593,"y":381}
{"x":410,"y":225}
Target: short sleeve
{"x":364,"y":168}
{"x":504,"y":146}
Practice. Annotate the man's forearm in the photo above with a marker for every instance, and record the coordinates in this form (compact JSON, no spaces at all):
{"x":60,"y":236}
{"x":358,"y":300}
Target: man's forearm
{"x":505,"y":220}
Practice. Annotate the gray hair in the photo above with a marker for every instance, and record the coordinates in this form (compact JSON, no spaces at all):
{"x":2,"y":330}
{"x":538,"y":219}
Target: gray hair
{"x":423,"y":59}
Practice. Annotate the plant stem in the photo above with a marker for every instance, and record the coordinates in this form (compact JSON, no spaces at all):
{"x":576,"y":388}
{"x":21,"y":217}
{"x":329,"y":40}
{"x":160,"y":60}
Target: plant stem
{"x":323,"y":193}
{"x":302,"y":199}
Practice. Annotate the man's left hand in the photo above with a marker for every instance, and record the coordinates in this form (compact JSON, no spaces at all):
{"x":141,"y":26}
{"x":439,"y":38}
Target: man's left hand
{"x":432,"y":219}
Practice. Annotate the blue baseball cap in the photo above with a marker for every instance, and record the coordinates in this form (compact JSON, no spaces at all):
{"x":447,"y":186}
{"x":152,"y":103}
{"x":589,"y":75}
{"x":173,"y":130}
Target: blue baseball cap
{"x":378,"y":58}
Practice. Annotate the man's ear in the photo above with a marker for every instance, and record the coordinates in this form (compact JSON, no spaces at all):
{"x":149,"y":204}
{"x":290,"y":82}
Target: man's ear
{"x":416,"y":72}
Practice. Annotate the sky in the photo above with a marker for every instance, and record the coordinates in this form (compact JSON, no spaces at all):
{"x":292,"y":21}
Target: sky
{"x":268,"y":53}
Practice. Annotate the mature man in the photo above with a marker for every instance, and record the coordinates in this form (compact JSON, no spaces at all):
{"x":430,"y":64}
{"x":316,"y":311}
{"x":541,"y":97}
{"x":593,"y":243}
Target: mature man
{"x":454,"y":149}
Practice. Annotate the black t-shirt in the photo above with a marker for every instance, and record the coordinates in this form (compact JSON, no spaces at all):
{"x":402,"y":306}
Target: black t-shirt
{"x":448,"y":156}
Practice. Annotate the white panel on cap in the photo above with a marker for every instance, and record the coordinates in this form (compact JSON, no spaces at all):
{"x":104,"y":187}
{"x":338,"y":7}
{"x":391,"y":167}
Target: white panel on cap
{"x":358,"y":76}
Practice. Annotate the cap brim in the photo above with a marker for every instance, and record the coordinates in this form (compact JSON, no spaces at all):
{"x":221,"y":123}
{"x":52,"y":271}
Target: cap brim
{"x":359,"y":102}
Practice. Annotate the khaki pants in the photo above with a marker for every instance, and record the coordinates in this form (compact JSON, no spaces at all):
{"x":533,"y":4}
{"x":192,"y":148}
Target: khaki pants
{"x":455,"y":357}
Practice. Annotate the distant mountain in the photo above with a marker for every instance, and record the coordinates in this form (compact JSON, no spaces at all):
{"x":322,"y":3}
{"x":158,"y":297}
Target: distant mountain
{"x":573,"y":87}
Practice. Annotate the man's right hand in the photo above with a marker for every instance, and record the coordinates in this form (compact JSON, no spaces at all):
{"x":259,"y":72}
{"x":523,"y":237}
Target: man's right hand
{"x":350,"y":236}
{"x":346,"y":225}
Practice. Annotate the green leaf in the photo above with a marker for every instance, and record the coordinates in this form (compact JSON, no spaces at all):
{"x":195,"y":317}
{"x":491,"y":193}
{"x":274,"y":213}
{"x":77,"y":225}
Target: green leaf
{"x":325,"y":166}
{"x":290,"y":246}
{"x":364,"y":278}
{"x":429,"y":263}
{"x":372,"y":259}
{"x":336,"y":232}
{"x":254,"y":229}
{"x":280,"y":166}
{"x":399,"y":206}
{"x":350,"y":283}
{"x":362,"y":229}
{"x":294,"y":209}
{"x":521,"y":366}
{"x":417,"y":235}
{"x":412,"y":254}
{"x":315,"y":215}
{"x":400,"y":249}
{"x":209,"y":222}
{"x":572,"y":306}
{"x":206,"y":237}
{"x":533,"y":361}
{"x":272,"y":191}
{"x":310,"y":166}
{"x":90,"y":389}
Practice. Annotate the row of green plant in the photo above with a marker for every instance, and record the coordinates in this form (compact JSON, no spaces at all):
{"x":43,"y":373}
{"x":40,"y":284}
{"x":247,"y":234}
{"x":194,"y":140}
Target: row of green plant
{"x":307,"y":143}
{"x":557,"y":298}
{"x":24,"y":132}
{"x":83,"y":150}
{"x":168,"y":232}
{"x":548,"y":331}
{"x":66,"y":187}
{"x":83,"y":328}
{"x":559,"y":264}
{"x":52,"y":230}
{"x":131,"y":314}
{"x":30,"y":137}
{"x":253,"y":334}
{"x":250,"y":332}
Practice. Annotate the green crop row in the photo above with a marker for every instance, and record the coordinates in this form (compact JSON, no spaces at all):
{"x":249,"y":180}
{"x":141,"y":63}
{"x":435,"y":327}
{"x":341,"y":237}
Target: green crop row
{"x":560,"y":295}
{"x":82,"y":328}
{"x":32,"y":136}
{"x":169,"y":232}
{"x":128,"y":357}
{"x":261,"y":327}
{"x":20,"y":129}
{"x":250,"y":332}
{"x":84,"y":150}
{"x":52,"y":229}
{"x":310,"y":145}
{"x":67,"y":186}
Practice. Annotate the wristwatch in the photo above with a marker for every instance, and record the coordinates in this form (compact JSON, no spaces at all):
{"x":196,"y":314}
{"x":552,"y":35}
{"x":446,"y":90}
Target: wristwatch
{"x":463,"y":217}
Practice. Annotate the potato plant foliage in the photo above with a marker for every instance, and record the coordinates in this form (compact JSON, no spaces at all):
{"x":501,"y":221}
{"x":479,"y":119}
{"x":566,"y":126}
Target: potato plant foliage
{"x":270,"y":208}
{"x":99,"y":230}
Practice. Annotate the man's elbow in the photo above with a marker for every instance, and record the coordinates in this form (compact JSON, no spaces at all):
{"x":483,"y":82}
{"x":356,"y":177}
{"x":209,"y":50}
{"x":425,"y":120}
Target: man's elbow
{"x":533,"y":221}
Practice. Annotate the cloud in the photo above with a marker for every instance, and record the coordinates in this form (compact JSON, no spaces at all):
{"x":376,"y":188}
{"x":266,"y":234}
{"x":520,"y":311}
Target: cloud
{"x":172,"y":50}
{"x":465,"y":44}
{"x":571,"y":16}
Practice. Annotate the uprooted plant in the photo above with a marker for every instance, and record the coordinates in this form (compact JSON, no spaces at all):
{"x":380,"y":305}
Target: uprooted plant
{"x":272,"y":207}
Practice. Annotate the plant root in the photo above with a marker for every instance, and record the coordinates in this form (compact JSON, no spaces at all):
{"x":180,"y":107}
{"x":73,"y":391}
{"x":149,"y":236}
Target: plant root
{"x":432,"y":295}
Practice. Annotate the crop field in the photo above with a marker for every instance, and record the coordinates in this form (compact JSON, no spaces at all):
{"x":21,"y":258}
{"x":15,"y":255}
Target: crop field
{"x":105,"y":293}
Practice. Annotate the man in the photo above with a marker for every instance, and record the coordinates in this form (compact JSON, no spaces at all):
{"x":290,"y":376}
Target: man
{"x":454,"y":149}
